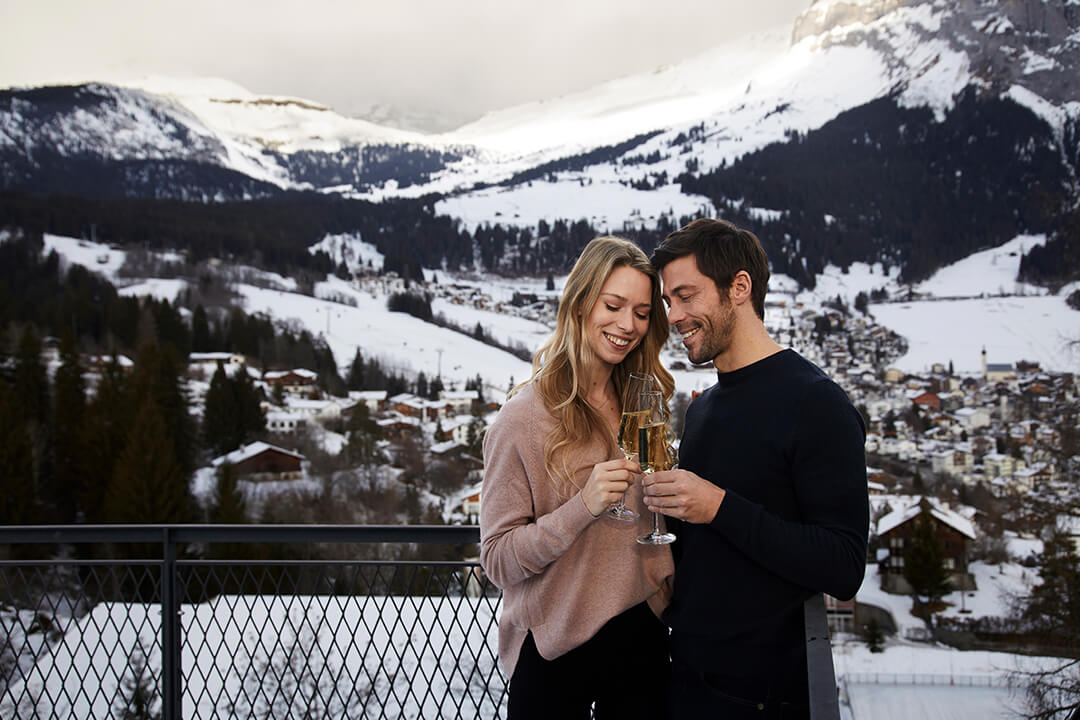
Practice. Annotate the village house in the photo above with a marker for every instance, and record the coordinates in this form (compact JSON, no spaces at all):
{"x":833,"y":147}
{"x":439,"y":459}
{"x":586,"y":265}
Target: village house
{"x":952,"y":531}
{"x":952,"y":462}
{"x":373,"y":400}
{"x":209,"y":360}
{"x":299,"y":381}
{"x":285,"y":423}
{"x":997,"y":464}
{"x":972,"y":418}
{"x":259,"y":461}
{"x":462,"y":402}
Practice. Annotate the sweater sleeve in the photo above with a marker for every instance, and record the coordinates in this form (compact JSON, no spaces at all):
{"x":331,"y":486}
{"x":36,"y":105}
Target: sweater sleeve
{"x":516,"y":544}
{"x":826,"y":549}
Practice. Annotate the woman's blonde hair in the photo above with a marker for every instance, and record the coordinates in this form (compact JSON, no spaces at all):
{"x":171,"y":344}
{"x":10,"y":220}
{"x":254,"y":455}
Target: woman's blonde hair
{"x":561,"y":366}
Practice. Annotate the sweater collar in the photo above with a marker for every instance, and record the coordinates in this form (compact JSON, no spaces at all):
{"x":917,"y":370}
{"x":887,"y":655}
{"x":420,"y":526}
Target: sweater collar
{"x":734,"y":377}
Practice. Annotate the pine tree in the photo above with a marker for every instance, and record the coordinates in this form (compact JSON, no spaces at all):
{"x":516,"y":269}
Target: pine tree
{"x":201,"y":339}
{"x":139,"y":698}
{"x":157,"y":374}
{"x":356,"y":372}
{"x":230,"y":507}
{"x":219,"y":414}
{"x":251,"y":418}
{"x":924,"y":559}
{"x":16,"y":461}
{"x":32,"y":394}
{"x":109,"y":415}
{"x":1053,"y":610}
{"x":149,"y":484}
{"x":69,"y":428}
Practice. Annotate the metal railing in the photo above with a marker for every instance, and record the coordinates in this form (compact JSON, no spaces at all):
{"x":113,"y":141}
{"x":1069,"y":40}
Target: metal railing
{"x":133,"y":622}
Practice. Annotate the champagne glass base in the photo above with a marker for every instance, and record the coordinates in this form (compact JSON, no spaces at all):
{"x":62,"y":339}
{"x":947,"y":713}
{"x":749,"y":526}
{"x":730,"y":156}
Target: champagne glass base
{"x":657,"y":538}
{"x":624,"y":514}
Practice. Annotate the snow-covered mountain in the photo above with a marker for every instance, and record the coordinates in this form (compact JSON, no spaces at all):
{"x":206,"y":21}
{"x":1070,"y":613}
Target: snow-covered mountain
{"x":741,"y":96}
{"x":832,"y":138}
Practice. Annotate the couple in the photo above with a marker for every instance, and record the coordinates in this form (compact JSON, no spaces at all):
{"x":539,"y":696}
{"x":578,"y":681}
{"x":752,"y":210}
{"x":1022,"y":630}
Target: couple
{"x":769,"y":502}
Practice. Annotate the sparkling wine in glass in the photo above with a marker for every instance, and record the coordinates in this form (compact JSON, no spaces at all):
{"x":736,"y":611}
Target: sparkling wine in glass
{"x":654,"y":454}
{"x":629,"y":423}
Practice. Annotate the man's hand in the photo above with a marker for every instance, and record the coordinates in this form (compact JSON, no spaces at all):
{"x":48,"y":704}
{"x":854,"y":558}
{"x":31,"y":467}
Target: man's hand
{"x":682,"y":494}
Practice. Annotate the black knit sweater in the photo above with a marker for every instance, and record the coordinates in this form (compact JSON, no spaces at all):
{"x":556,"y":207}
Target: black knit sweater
{"x":786,"y":444}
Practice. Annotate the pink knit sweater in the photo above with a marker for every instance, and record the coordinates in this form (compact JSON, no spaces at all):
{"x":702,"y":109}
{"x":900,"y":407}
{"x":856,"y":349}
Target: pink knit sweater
{"x":563,"y":572}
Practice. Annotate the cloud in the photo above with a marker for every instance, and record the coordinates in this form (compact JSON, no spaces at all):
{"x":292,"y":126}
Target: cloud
{"x":430,"y":58}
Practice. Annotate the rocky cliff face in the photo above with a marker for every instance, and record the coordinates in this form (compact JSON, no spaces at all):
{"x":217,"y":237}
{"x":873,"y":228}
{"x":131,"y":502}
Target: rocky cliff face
{"x":1032,"y":43}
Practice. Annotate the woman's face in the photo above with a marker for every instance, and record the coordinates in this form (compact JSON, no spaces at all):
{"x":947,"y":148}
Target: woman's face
{"x":620,"y":318}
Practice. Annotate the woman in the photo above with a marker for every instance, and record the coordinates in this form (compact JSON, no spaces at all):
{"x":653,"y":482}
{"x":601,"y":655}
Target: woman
{"x":580,"y":597}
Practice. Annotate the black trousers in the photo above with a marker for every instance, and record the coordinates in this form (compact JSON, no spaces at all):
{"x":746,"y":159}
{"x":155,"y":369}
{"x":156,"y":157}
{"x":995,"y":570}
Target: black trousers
{"x":694,"y":694}
{"x":623,"y":669}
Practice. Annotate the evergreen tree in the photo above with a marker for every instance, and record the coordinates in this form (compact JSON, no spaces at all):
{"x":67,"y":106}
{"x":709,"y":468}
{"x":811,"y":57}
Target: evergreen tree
{"x":230,"y":507}
{"x":1053,"y":610}
{"x":32,"y":393}
{"x":157,"y":374}
{"x":363,"y":435}
{"x":875,"y":636}
{"x":251,"y":418}
{"x":201,"y":338}
{"x":69,"y":428}
{"x":139,"y":698}
{"x":108,"y":419}
{"x":924,"y":558}
{"x":149,"y":484}
{"x":421,"y":385}
{"x":219,"y":414}
{"x":16,"y":461}
{"x":355,"y":379}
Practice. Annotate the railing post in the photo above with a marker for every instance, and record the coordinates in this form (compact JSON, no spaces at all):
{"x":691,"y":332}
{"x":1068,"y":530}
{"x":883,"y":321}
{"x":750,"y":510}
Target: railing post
{"x":170,"y":631}
{"x":824,"y":703}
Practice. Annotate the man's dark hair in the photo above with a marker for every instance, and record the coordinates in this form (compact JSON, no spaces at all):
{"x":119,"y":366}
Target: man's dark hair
{"x":721,"y":250}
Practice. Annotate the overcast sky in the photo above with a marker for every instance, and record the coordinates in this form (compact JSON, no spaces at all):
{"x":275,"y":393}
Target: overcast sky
{"x":446,"y":59}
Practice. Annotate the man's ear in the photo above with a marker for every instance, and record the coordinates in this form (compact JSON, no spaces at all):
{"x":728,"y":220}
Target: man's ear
{"x":741,"y":288}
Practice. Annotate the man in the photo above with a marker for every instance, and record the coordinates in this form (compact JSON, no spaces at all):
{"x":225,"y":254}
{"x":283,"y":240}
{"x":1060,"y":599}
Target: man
{"x":770,"y":500}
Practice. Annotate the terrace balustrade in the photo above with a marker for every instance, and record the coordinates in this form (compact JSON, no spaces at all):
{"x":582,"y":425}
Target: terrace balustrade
{"x":135,"y":622}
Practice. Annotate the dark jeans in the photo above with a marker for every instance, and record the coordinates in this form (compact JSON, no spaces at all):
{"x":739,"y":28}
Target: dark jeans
{"x":694,"y":694}
{"x":623,"y":669}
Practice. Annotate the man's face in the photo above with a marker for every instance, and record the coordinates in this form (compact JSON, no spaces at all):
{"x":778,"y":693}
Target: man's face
{"x":699,"y":311}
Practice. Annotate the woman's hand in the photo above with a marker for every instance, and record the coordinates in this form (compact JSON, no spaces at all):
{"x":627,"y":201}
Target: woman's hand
{"x":607,"y":483}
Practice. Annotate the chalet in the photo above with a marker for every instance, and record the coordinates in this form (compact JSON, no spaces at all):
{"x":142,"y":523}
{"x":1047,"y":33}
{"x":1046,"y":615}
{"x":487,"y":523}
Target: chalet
{"x":1001,"y":465}
{"x":374,"y":400}
{"x":294,"y":381}
{"x":952,"y":462}
{"x":209,"y":360}
{"x":952,"y":531}
{"x":893,"y":375}
{"x":261,"y":461}
{"x":461,"y":402}
{"x":408,"y":405}
{"x":448,"y":450}
{"x":454,"y":428}
{"x":927,"y":400}
{"x":397,"y":426}
{"x":322,"y":410}
{"x":973,"y":418}
{"x":470,"y":501}
{"x":285,"y":423}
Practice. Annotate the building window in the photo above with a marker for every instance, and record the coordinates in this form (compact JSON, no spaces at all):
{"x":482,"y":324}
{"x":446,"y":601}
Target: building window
{"x":950,"y":563}
{"x":896,"y":542}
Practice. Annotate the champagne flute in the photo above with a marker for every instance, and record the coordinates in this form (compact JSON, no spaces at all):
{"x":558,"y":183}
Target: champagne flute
{"x":654,"y":453}
{"x":632,"y":412}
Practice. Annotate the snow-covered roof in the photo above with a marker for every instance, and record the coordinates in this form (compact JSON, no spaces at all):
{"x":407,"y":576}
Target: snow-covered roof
{"x":367,"y":394}
{"x":899,"y":517}
{"x":249,"y":451}
{"x":445,"y":447}
{"x":299,"y":372}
